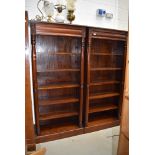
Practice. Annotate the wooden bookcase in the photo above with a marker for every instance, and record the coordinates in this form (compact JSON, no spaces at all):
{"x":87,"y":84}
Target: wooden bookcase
{"x":58,"y":66}
{"x":106,"y":53}
{"x":78,"y":76}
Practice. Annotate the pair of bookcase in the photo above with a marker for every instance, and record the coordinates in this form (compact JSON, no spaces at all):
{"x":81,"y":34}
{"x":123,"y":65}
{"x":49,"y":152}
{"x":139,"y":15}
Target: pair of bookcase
{"x":78,"y":78}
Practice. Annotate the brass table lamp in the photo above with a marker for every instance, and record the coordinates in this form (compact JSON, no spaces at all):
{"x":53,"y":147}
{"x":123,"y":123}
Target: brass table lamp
{"x":70,"y":9}
{"x":70,"y":16}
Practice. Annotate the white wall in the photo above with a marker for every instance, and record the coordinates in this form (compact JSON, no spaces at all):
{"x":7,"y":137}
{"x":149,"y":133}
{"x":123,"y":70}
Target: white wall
{"x":122,"y":13}
{"x":86,"y":12}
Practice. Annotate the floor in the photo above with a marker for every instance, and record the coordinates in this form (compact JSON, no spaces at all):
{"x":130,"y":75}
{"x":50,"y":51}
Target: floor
{"x":103,"y":142}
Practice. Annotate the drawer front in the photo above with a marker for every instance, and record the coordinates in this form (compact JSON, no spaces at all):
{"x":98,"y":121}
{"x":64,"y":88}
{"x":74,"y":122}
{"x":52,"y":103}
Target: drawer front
{"x":108,"y":34}
{"x":59,"y":30}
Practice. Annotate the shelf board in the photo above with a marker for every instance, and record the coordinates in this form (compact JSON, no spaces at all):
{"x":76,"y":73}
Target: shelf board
{"x":105,"y":68}
{"x":100,"y":123}
{"x":58,"y":128}
{"x":102,"y":120}
{"x":106,"y":95}
{"x":58,"y":86}
{"x":58,"y":101}
{"x":64,"y":53}
{"x":56,"y":115}
{"x":103,"y":108}
{"x":111,"y":54}
{"x":104,"y":82}
{"x":60,"y":70}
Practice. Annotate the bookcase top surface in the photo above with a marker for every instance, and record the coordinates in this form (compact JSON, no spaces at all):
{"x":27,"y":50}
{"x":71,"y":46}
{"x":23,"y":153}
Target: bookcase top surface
{"x":78,"y":25}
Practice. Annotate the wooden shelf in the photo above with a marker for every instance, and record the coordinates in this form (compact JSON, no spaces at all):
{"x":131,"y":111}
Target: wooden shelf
{"x":103,"y":108}
{"x":99,"y":96}
{"x":104,"y":119}
{"x":58,"y":86}
{"x":55,"y":115}
{"x":59,"y":70}
{"x":105,"y":68}
{"x":58,"y":128}
{"x":58,"y":101}
{"x":108,"y":54}
{"x":64,"y":53}
{"x":102,"y":122}
{"x":104,"y":82}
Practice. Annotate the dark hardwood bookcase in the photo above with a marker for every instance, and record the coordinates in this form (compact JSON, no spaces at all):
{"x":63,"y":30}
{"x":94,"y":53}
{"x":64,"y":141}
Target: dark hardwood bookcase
{"x":78,"y":78}
{"x":58,"y":58}
{"x":106,"y":53}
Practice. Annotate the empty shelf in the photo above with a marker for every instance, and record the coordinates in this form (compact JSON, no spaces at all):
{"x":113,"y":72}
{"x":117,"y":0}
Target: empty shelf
{"x":104,"y":82}
{"x":102,"y":120}
{"x":64,"y":53}
{"x":58,"y":101}
{"x":111,"y":54}
{"x":59,"y":70}
{"x":103,"y":108}
{"x":56,"y":115}
{"x":58,"y":86}
{"x":98,"y":96}
{"x":105,"y":68}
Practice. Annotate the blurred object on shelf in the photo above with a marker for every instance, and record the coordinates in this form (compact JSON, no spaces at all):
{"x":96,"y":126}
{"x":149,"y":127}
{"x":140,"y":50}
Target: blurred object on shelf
{"x":59,"y":17}
{"x":101,"y":12}
{"x":109,"y":15}
{"x":48,"y":9}
{"x":71,"y":4}
{"x":70,"y":16}
{"x":70,"y":10}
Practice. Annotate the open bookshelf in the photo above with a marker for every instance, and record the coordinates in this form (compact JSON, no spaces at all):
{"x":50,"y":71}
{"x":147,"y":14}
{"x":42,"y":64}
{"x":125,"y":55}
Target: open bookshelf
{"x":57,"y":78}
{"x":78,"y":78}
{"x":105,"y":71}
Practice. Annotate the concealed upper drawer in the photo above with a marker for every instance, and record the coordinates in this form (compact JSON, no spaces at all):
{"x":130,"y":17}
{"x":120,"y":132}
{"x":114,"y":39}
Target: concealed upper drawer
{"x":58,"y":30}
{"x":107,"y":34}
